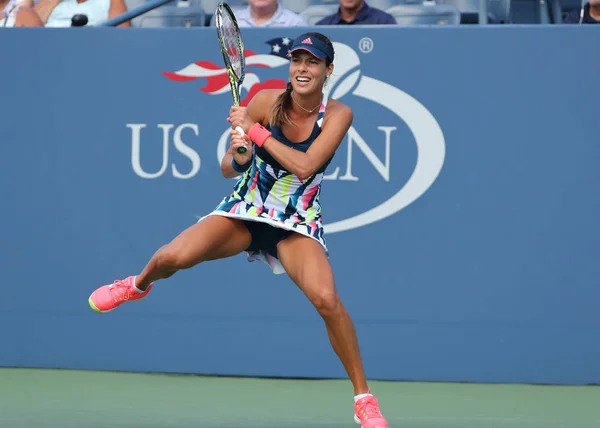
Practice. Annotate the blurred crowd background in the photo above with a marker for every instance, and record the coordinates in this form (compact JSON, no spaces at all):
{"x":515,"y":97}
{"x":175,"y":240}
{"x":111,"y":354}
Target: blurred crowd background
{"x":286,"y":13}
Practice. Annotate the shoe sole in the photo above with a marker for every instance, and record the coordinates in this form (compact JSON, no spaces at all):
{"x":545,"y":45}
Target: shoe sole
{"x":96,"y":309}
{"x":357,"y":420}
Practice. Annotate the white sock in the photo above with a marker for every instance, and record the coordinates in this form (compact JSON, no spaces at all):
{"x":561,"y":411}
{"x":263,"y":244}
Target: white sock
{"x":359,"y":396}
{"x":135,"y":288}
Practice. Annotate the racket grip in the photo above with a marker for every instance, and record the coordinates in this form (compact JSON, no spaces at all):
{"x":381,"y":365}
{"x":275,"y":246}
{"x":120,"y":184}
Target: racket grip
{"x":241,"y":150}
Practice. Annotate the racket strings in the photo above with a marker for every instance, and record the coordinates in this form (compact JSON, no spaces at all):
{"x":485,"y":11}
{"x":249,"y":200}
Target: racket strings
{"x":231,"y":39}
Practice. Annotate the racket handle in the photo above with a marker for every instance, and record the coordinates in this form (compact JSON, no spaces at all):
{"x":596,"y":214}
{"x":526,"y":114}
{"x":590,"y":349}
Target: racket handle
{"x":241,"y":150}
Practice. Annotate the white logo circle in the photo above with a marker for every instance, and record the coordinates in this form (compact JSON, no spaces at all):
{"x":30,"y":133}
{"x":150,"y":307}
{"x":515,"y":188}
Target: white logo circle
{"x":431,"y":145}
{"x":365,"y":45}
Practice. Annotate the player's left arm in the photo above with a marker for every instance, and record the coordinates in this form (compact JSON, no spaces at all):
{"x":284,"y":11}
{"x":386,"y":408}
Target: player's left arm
{"x":335,"y":126}
{"x":118,"y":7}
{"x":28,"y":17}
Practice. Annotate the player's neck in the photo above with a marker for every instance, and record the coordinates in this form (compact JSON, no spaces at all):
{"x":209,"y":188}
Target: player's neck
{"x":306,"y":105}
{"x":348,"y":14}
{"x":263,"y":14}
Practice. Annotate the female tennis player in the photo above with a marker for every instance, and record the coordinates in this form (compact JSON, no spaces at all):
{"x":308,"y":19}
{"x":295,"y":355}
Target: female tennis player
{"x":274,"y":212}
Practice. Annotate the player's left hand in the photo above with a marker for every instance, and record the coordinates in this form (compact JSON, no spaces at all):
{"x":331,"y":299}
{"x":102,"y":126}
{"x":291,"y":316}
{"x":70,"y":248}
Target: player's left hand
{"x":238,"y":116}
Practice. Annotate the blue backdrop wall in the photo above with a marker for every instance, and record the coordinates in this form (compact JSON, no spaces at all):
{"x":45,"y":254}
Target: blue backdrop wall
{"x":461,"y":209}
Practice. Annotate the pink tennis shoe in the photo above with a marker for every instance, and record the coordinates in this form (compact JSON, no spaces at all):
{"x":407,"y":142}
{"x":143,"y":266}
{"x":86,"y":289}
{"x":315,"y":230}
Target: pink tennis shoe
{"x":367,"y":413}
{"x":109,"y":297}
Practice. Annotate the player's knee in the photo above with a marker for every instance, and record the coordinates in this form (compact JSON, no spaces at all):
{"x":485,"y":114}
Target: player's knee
{"x":327,"y":302}
{"x":170,"y":259}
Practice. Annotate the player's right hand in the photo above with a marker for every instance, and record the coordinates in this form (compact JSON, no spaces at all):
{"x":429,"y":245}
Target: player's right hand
{"x":238,"y":141}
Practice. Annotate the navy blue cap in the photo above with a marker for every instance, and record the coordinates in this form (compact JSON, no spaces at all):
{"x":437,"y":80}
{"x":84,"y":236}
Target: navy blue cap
{"x":313,"y":45}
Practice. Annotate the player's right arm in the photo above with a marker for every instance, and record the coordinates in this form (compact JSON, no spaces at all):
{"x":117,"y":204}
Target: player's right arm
{"x":258,"y":110}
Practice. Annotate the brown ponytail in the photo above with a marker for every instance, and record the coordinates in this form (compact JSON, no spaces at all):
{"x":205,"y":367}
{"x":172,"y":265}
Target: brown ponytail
{"x":279,"y":111}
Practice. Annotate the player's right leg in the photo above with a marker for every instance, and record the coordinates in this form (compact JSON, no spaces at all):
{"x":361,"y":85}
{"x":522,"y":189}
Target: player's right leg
{"x":215,"y":237}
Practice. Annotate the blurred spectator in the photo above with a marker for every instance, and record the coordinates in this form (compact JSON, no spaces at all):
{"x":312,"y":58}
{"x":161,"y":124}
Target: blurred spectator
{"x":18,"y":14}
{"x":58,"y":13}
{"x":357,"y":12}
{"x":590,"y":14}
{"x":268,"y":13}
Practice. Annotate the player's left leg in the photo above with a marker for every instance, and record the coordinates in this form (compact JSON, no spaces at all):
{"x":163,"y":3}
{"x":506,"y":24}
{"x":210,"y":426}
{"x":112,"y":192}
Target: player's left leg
{"x":307,"y":265}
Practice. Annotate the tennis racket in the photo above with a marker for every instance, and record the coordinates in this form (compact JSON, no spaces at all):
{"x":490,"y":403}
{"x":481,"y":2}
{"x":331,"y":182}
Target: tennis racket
{"x":232,"y":48}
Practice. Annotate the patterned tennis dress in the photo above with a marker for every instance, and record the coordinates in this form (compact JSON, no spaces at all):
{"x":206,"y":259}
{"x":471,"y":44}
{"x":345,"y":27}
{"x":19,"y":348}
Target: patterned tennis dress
{"x":270,"y":194}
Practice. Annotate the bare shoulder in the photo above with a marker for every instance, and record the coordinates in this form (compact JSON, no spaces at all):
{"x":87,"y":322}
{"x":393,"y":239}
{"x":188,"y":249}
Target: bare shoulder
{"x":267,"y":96}
{"x":259,"y":107}
{"x":339,"y":111}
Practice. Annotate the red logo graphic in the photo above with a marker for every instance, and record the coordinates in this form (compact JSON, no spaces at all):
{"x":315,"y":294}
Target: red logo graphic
{"x":217,"y":81}
{"x":307,"y":41}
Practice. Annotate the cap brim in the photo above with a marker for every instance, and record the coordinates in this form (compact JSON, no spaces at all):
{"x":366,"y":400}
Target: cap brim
{"x":317,"y":53}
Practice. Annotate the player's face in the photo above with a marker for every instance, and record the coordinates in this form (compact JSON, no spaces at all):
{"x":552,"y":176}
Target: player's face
{"x":307,"y":73}
{"x":261,"y":4}
{"x":351,"y":4}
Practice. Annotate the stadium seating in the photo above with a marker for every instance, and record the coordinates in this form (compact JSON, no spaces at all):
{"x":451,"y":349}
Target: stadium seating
{"x":236,"y":10}
{"x":406,"y":12}
{"x":132,"y":4}
{"x":384,"y":4}
{"x":172,"y":16}
{"x":499,"y":11}
{"x":469,"y":9}
{"x":560,"y":8}
{"x":300,"y":5}
{"x":416,"y":14}
{"x":313,"y":14}
{"x":210,"y":6}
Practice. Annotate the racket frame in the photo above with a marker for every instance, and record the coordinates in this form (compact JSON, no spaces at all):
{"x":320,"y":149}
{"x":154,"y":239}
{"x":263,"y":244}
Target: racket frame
{"x":235,"y":81}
